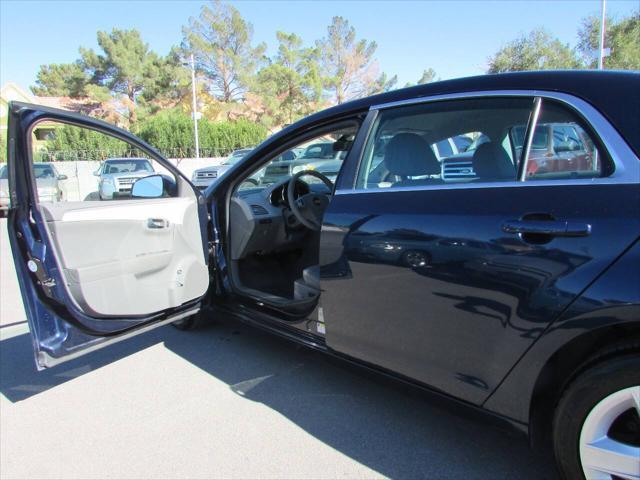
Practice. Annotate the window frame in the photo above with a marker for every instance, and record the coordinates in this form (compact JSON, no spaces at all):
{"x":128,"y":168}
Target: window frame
{"x":626,"y":168}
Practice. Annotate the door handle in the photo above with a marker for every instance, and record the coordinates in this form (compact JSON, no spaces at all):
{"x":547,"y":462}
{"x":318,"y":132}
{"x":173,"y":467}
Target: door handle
{"x":552,"y":228}
{"x":156,"y":223}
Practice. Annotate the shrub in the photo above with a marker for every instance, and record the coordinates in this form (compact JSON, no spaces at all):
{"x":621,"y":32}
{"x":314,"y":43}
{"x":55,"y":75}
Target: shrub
{"x":172,"y":133}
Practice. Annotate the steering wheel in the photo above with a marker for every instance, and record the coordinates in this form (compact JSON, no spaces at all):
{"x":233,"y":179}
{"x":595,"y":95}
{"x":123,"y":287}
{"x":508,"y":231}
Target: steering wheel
{"x":309,"y":208}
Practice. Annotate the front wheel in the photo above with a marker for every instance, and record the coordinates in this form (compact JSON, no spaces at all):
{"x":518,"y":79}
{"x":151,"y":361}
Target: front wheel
{"x":596,"y":429}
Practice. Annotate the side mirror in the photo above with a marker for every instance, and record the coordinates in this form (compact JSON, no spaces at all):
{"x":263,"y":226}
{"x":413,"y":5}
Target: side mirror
{"x":62,"y":177}
{"x":148,"y":187}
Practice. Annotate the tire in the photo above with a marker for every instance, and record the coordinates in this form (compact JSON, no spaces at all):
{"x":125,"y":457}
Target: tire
{"x":193,"y":322}
{"x":599,"y":413}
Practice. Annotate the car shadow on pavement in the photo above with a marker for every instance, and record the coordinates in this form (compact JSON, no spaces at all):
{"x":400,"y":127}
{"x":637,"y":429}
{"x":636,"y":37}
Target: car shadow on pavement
{"x":395,"y":431}
{"x":20,"y":380}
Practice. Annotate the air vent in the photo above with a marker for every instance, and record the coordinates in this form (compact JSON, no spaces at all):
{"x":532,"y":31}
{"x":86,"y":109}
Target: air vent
{"x":258,"y":210}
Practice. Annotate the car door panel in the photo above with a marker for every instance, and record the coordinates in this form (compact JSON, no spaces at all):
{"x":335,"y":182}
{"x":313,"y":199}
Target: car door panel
{"x":477,"y":297}
{"x":115,"y":263}
{"x":93,"y":273}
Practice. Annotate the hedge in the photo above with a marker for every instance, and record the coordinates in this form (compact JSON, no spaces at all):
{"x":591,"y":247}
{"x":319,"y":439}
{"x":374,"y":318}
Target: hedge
{"x":170,"y":132}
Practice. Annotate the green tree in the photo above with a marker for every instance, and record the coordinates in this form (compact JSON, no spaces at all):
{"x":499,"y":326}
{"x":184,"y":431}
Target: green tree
{"x":537,"y":50}
{"x":428,"y":76}
{"x":61,"y":80}
{"x":622,"y":37}
{"x":220,"y":40}
{"x":383,"y":84}
{"x":291,"y":85}
{"x":3,"y":148}
{"x":123,"y":76}
{"x":127,"y":67}
{"x":347,"y":63}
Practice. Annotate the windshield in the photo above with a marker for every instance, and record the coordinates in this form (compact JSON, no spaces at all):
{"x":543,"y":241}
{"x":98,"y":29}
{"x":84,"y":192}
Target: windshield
{"x":319,"y":150}
{"x":128,"y":165}
{"x":43,"y":171}
{"x":236,"y":156}
{"x":323,"y":154}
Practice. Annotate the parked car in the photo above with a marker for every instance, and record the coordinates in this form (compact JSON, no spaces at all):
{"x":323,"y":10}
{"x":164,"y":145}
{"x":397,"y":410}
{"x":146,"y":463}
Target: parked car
{"x":557,"y":147}
{"x":321,"y":157}
{"x":524,"y":304}
{"x":4,"y":190}
{"x":203,"y":177}
{"x":48,"y":184}
{"x":117,"y":176}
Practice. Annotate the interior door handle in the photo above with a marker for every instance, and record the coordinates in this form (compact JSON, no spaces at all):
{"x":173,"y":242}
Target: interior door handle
{"x":553,"y":228}
{"x":156,"y":223}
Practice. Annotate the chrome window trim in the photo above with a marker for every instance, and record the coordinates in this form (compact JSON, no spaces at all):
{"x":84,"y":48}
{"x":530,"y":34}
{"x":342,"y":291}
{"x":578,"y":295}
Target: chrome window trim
{"x":531,"y":128}
{"x":627,"y":164}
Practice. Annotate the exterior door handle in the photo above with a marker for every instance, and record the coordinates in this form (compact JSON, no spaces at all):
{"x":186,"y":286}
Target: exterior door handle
{"x":552,"y":228}
{"x":156,"y":223}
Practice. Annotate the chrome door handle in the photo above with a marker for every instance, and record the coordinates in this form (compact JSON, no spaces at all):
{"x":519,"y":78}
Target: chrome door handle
{"x":547,"y":227}
{"x":156,"y":223}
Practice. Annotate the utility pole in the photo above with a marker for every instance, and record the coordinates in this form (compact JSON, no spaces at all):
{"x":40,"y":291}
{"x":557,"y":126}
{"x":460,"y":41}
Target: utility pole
{"x":601,"y":52}
{"x":194,"y":106}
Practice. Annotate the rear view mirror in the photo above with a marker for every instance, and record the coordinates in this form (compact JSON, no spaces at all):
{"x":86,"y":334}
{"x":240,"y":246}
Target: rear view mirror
{"x":148,"y":187}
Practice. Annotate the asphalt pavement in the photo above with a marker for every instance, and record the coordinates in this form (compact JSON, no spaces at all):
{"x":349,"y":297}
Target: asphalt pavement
{"x":227,"y":401}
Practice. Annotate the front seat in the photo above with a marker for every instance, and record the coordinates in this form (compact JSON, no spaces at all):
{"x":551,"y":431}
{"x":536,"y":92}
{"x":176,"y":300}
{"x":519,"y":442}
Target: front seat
{"x":491,"y":163}
{"x":409,"y":155}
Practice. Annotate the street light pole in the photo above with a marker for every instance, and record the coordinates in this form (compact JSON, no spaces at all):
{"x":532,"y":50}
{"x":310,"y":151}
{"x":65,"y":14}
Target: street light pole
{"x":194,"y":106}
{"x":601,"y":49}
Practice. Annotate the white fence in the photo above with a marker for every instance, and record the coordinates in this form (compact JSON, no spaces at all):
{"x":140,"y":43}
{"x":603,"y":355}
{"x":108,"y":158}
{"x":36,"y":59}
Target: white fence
{"x":81,"y":183}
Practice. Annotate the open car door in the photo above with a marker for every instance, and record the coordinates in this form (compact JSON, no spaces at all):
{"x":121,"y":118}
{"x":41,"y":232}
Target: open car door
{"x":106,"y":255}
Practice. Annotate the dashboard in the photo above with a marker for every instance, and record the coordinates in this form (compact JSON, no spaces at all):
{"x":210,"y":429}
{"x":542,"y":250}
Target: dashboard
{"x":261,"y":221}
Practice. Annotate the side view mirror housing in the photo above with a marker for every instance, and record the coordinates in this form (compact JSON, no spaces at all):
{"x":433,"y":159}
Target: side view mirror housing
{"x":154,"y":186}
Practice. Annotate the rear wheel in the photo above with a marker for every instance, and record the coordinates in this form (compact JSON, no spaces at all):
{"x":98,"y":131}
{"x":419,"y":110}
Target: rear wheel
{"x":597,"y":422}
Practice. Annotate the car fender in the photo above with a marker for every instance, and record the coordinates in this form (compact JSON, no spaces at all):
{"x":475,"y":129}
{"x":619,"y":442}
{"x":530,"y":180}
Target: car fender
{"x":606,"y":312}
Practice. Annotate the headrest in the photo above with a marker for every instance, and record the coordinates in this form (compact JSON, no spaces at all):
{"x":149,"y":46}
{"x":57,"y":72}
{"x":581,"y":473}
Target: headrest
{"x":491,"y":162}
{"x":409,"y":155}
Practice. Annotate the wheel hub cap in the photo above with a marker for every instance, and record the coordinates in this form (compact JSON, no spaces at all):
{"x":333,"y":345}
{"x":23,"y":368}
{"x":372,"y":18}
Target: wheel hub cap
{"x":605,"y":453}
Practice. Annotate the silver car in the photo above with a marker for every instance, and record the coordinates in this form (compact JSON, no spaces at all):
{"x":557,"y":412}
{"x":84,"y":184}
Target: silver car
{"x":47,"y":180}
{"x":117,"y":175}
{"x":203,"y":177}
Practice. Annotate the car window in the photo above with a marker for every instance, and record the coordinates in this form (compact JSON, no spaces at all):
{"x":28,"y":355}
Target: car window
{"x":324,"y":154}
{"x":568,"y":151}
{"x":398,"y":152}
{"x":540,"y":137}
{"x":3,"y":172}
{"x":72,"y":164}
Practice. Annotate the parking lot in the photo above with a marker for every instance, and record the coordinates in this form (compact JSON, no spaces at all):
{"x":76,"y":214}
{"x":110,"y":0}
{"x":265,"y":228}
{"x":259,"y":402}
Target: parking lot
{"x":226,"y":401}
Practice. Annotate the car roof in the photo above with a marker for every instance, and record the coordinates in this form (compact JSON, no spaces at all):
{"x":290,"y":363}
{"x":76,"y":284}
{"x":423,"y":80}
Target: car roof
{"x":613,"y":93}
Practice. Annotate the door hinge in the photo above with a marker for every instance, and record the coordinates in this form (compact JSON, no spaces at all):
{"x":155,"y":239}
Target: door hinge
{"x":36,"y":267}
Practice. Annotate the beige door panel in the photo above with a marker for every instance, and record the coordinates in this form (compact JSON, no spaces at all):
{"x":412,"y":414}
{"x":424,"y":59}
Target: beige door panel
{"x":129,"y":257}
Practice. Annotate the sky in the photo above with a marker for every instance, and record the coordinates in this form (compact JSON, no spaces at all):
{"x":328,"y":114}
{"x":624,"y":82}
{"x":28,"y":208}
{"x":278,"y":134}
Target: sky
{"x":455,"y":38}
